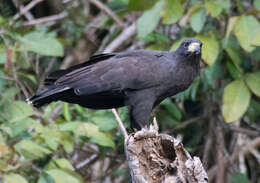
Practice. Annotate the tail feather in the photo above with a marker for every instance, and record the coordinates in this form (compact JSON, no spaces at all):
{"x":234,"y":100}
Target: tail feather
{"x":46,"y":96}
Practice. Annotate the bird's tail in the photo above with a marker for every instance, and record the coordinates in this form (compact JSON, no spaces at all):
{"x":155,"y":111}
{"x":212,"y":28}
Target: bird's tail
{"x":47,"y":95}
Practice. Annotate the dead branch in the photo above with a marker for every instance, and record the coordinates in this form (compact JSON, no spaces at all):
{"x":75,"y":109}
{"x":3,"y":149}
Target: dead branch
{"x":26,"y":9}
{"x":162,"y":159}
{"x":107,"y":10}
{"x":120,"y":123}
{"x":125,"y":35}
{"x":159,"y":158}
{"x":47,"y":19}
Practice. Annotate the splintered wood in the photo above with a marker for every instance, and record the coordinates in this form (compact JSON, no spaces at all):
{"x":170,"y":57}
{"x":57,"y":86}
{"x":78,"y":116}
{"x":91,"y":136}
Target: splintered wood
{"x":162,"y":159}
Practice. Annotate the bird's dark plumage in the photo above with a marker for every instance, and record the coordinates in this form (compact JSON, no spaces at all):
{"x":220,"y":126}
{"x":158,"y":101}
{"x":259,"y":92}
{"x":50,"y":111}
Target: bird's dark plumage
{"x":138,"y":79}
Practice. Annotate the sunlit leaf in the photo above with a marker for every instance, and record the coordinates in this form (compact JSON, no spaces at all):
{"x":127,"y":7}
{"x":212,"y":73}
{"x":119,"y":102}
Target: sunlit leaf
{"x":30,"y":150}
{"x":70,"y":126}
{"x":62,"y":176}
{"x":210,"y":48}
{"x":64,"y":164}
{"x":14,"y":178}
{"x":45,"y":178}
{"x":21,"y":125}
{"x":66,"y":111}
{"x":104,"y":119}
{"x":20,"y":110}
{"x":92,"y":131}
{"x":231,"y":24}
{"x":257,"y":4}
{"x":236,"y":99}
{"x":198,"y":20}
{"x":172,"y":11}
{"x":253,"y":81}
{"x":41,"y":43}
{"x":52,"y":136}
{"x":247,"y":30}
{"x":214,"y":7}
{"x":149,"y":20}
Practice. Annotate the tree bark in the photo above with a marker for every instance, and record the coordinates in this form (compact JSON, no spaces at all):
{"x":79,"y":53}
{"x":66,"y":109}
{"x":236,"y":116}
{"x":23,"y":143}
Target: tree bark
{"x":161,"y":158}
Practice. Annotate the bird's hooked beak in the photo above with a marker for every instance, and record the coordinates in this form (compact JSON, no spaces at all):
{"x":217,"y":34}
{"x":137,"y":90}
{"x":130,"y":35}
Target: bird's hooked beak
{"x":194,"y":47}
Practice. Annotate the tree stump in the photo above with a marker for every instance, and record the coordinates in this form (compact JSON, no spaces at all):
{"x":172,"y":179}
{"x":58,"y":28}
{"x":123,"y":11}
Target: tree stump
{"x":161,"y":158}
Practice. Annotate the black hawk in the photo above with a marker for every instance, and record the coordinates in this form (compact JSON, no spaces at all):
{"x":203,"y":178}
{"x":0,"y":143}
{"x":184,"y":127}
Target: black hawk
{"x":139,"y":79}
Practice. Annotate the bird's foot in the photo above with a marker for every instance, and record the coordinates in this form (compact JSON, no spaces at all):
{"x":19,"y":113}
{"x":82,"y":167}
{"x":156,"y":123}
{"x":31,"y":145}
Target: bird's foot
{"x":150,"y":132}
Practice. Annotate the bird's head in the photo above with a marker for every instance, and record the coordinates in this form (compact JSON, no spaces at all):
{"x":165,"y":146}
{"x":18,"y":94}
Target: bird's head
{"x":190,"y":47}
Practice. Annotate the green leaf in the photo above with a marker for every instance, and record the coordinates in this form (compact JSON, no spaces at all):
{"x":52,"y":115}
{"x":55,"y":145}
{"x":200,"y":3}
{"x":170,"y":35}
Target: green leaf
{"x":257,"y":4}
{"x":104,"y":119}
{"x":141,"y":5}
{"x":172,"y":11}
{"x":92,"y":131}
{"x":52,"y":136}
{"x":30,"y":150}
{"x":198,"y":20}
{"x":214,"y":7}
{"x":70,"y":126}
{"x":231,"y":24}
{"x":41,"y":43}
{"x":234,"y":52}
{"x":68,"y":145}
{"x":253,"y":81}
{"x":20,"y":110}
{"x":45,"y":178}
{"x":62,"y":176}
{"x":240,"y":178}
{"x":64,"y":164}
{"x":149,"y":20}
{"x":172,"y":108}
{"x":247,"y":30}
{"x":232,"y":70}
{"x":66,"y":111}
{"x":14,"y":178}
{"x":21,"y":125}
{"x":236,"y":99}
{"x":210,"y":48}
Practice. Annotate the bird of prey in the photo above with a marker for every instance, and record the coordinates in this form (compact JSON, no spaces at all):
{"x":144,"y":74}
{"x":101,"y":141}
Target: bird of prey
{"x":139,"y":79}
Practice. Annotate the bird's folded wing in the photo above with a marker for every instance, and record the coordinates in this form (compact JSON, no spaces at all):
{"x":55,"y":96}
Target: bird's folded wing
{"x":115,"y":74}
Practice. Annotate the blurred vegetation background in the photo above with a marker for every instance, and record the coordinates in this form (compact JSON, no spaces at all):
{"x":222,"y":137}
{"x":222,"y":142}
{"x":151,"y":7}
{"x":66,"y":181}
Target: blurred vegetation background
{"x":218,"y":117}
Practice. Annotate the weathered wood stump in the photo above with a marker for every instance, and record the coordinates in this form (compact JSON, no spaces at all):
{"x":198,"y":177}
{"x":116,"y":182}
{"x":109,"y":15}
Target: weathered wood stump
{"x":160,"y":158}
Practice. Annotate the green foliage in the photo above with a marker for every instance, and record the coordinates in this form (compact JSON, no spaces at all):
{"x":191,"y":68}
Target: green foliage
{"x":198,"y":19}
{"x":30,"y":150}
{"x":48,"y":138}
{"x":64,"y":176}
{"x":172,"y":11}
{"x":149,"y":20}
{"x":38,"y":42}
{"x":253,"y":82}
{"x":14,"y":178}
{"x":240,"y":178}
{"x":211,"y":49}
{"x":235,"y":103}
{"x":247,"y":30}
